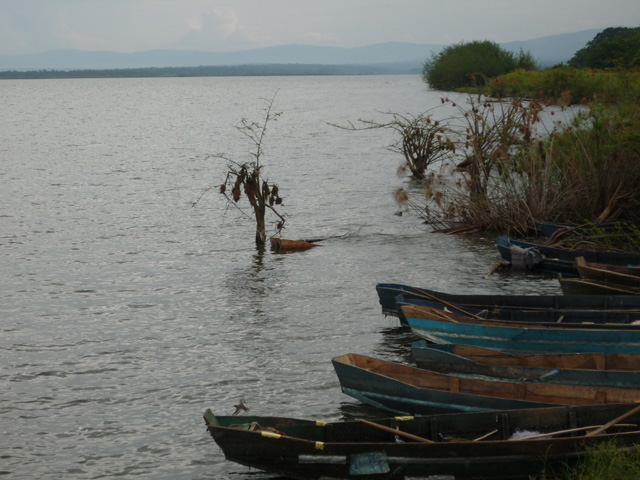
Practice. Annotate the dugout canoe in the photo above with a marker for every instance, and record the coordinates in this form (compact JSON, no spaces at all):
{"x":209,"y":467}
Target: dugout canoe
{"x":460,"y":360}
{"x":586,"y":287}
{"x":513,"y":315}
{"x":468,"y":446}
{"x":565,"y":257}
{"x":497,"y":335}
{"x":405,"y":390}
{"x":388,"y":292}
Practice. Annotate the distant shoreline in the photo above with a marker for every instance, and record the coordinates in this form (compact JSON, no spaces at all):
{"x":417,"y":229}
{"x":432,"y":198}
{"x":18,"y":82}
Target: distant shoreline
{"x":220,"y":71}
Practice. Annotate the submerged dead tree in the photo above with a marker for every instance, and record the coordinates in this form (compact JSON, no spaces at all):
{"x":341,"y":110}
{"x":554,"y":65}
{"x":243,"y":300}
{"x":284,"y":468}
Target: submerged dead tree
{"x":422,"y":140}
{"x":247,"y":179}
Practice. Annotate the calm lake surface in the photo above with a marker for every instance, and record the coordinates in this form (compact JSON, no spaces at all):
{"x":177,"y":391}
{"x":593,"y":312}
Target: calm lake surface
{"x":126,"y":311}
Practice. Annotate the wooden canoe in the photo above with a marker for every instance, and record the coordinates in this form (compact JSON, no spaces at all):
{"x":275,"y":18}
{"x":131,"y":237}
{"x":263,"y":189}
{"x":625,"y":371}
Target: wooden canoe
{"x":411,"y":391}
{"x":468,"y":445}
{"x":460,"y":360}
{"x":284,"y":245}
{"x":512,"y":315}
{"x":388,"y":292}
{"x":522,"y":338}
{"x":585,"y":286}
{"x":550,"y":263}
{"x":627,"y":276}
{"x":612,"y":258}
{"x":576,"y":321}
{"x":626,"y":362}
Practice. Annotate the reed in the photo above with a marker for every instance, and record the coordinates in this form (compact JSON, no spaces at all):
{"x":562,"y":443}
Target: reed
{"x":608,"y":461}
{"x":586,"y":171}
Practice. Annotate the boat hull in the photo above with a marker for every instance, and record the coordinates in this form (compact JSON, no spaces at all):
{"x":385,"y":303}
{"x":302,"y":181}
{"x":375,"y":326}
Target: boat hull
{"x":309,"y":450}
{"x":388,"y":292}
{"x":445,"y":359}
{"x":410,"y":391}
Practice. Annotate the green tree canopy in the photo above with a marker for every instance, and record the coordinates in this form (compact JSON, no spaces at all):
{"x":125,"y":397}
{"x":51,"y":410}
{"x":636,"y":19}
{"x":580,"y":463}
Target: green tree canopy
{"x":468,"y":64}
{"x":613,"y":47}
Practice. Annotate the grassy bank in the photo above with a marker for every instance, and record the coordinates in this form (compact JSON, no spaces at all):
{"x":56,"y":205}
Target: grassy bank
{"x":567,"y":85}
{"x":605,"y":462}
{"x":588,"y":171}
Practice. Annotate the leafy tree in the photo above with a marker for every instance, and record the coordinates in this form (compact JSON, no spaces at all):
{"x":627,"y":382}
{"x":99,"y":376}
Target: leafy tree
{"x":469,"y":64}
{"x":613,"y":47}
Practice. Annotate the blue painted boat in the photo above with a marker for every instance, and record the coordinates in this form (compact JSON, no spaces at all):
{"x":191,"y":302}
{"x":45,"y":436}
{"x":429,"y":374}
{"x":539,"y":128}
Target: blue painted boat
{"x":528,"y":338}
{"x":411,"y":391}
{"x":552,"y":316}
{"x":460,"y":360}
{"x":388,"y":292}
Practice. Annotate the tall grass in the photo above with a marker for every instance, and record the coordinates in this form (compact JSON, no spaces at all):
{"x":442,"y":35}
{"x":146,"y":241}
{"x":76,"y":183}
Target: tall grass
{"x":586,"y":171}
{"x":567,"y":85}
{"x":608,"y":461}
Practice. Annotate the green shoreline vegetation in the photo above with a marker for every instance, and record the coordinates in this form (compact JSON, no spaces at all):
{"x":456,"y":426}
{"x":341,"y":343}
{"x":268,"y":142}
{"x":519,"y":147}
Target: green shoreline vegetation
{"x":587,"y":171}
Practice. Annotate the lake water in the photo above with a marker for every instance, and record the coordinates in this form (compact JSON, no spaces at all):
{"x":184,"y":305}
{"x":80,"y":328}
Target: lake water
{"x":126,"y":311}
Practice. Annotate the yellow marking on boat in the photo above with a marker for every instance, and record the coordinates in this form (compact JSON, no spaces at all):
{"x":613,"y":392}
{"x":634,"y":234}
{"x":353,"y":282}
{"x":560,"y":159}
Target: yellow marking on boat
{"x":319,"y":445}
{"x":404,"y":419}
{"x":320,"y":424}
{"x":271,"y":435}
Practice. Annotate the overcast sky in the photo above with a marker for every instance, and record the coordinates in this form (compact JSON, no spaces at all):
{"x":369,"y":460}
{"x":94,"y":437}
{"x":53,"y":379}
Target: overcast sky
{"x":30,"y":26}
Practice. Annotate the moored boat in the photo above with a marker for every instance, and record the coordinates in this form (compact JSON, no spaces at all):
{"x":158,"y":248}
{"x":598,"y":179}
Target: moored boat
{"x":388,"y":293}
{"x":586,"y":286}
{"x":513,"y":315}
{"x":408,"y":390}
{"x":460,"y":360}
{"x":624,"y":275}
{"x":504,"y":244}
{"x":547,"y":338}
{"x":579,"y":321}
{"x":469,"y":445}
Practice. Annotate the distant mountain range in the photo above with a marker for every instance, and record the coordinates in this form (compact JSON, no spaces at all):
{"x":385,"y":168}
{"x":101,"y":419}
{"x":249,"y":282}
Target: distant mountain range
{"x":407,"y":57}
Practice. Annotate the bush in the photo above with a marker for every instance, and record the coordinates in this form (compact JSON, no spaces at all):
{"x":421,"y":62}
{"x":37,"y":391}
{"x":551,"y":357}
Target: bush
{"x":567,"y":85}
{"x":468,"y":64}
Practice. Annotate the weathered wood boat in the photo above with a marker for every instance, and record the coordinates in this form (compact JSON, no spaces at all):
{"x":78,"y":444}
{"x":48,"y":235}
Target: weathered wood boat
{"x":388,"y":292}
{"x":505,"y":444}
{"x":627,"y":276}
{"x":408,"y":390}
{"x":496,"y":335}
{"x":575,"y":320}
{"x":512,"y":252}
{"x":512,"y":315}
{"x":563,"y":256}
{"x":584,"y":286}
{"x":460,"y":360}
{"x":284,"y":245}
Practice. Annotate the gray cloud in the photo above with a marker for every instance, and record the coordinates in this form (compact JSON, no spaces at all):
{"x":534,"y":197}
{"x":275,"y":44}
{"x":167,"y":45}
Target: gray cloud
{"x":29,"y":26}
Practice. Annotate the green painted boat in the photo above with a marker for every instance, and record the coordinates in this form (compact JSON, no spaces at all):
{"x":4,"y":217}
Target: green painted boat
{"x":405,"y":390}
{"x":496,"y":445}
